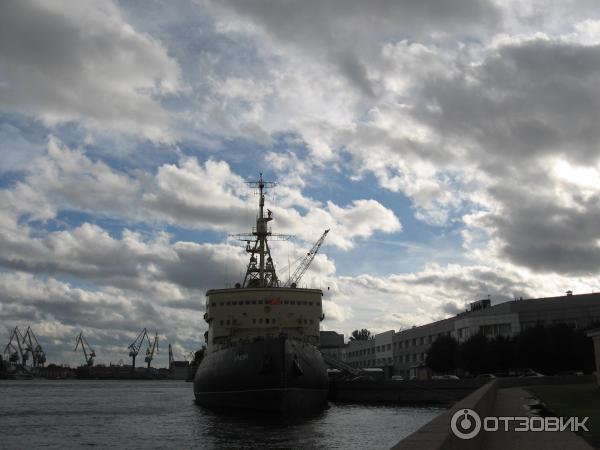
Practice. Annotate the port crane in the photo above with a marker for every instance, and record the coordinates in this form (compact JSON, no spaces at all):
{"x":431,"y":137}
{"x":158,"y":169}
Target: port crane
{"x":306,"y":262}
{"x":134,"y":347}
{"x":33,"y":346}
{"x":14,"y":348}
{"x":88,"y":352}
{"x":152,"y":348}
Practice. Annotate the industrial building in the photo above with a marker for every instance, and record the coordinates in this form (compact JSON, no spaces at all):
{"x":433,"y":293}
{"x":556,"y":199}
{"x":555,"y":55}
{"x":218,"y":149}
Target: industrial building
{"x":402,"y":352}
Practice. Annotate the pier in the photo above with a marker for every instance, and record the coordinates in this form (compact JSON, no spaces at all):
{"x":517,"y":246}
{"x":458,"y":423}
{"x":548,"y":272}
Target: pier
{"x":499,"y":397}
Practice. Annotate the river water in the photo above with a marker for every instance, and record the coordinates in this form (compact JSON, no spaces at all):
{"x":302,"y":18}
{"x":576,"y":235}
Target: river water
{"x":162,"y":414}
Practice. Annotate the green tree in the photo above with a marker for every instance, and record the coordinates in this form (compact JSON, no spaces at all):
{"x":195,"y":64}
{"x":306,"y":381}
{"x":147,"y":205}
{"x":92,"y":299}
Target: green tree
{"x":473,"y":354}
{"x":441,"y":357}
{"x":361,"y":335}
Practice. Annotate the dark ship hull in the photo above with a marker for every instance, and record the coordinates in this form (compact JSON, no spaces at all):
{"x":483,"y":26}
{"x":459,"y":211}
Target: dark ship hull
{"x":274,"y":374}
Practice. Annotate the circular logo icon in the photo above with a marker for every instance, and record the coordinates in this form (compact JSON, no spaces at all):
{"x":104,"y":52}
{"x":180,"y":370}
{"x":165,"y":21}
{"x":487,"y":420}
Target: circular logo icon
{"x":465,"y":424}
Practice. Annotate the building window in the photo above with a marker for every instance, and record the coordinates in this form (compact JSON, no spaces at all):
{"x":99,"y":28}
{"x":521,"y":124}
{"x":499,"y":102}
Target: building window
{"x":389,"y":347}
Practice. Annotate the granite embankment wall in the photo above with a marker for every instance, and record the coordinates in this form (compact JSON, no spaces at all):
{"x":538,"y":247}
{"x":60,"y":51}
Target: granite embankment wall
{"x":437,"y":435}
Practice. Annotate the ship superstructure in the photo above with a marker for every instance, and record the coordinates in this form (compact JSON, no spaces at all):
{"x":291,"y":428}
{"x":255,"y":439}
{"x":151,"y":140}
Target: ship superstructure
{"x":263,"y":335}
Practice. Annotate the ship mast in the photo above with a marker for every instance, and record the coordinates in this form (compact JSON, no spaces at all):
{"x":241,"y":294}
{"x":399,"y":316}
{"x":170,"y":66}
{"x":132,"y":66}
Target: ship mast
{"x":261,"y":268}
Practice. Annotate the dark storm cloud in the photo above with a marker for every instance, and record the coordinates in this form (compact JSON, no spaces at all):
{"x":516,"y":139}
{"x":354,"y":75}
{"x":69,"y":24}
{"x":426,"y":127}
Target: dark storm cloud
{"x":345,"y":33}
{"x":538,"y":232}
{"x":528,"y":99}
{"x":528,"y":104}
{"x":316,"y":21}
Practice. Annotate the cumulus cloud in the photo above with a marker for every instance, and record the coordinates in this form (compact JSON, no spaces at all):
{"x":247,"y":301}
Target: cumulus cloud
{"x":68,"y":61}
{"x":187,"y":194}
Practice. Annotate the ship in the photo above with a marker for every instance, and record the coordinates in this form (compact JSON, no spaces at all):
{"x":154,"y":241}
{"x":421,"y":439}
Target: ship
{"x":263,"y":335}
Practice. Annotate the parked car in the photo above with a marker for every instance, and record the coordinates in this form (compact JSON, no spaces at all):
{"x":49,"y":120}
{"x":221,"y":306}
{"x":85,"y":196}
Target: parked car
{"x":486,"y":375}
{"x":569,"y":372}
{"x":363,"y":378}
{"x":531,"y":373}
{"x":445,"y":377}
{"x":397,"y":378}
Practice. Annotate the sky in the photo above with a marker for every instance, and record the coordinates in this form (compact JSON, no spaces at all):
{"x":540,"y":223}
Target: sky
{"x":450,"y":146}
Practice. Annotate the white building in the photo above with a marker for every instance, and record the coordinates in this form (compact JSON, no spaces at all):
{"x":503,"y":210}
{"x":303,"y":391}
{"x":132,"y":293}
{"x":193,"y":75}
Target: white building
{"x":398,"y":352}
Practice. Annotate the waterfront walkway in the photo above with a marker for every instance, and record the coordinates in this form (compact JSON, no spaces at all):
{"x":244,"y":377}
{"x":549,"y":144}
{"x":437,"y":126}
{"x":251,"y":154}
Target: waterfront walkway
{"x":512,"y":402}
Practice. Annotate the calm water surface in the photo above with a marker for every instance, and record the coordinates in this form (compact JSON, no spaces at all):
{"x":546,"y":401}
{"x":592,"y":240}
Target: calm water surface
{"x":162,"y":414}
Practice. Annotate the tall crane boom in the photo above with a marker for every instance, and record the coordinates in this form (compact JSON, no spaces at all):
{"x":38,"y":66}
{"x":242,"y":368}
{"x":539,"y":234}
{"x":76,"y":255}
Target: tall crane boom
{"x":306,"y":261}
{"x":152,"y":348}
{"x":15,"y":352}
{"x":88,"y":352}
{"x":32,"y":345}
{"x":134,"y":347}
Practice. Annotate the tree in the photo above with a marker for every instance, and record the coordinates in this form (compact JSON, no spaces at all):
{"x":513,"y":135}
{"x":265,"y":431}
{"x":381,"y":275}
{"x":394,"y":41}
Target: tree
{"x":361,"y":335}
{"x":441,"y":357}
{"x":473,"y":354}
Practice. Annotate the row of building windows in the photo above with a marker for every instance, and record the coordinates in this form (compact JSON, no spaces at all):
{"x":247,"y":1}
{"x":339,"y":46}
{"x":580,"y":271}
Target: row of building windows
{"x":267,"y":321}
{"x":266,"y":302}
{"x":398,"y":345}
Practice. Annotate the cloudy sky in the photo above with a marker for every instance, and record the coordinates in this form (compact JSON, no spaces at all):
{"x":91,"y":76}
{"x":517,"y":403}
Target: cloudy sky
{"x":451,"y":147}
